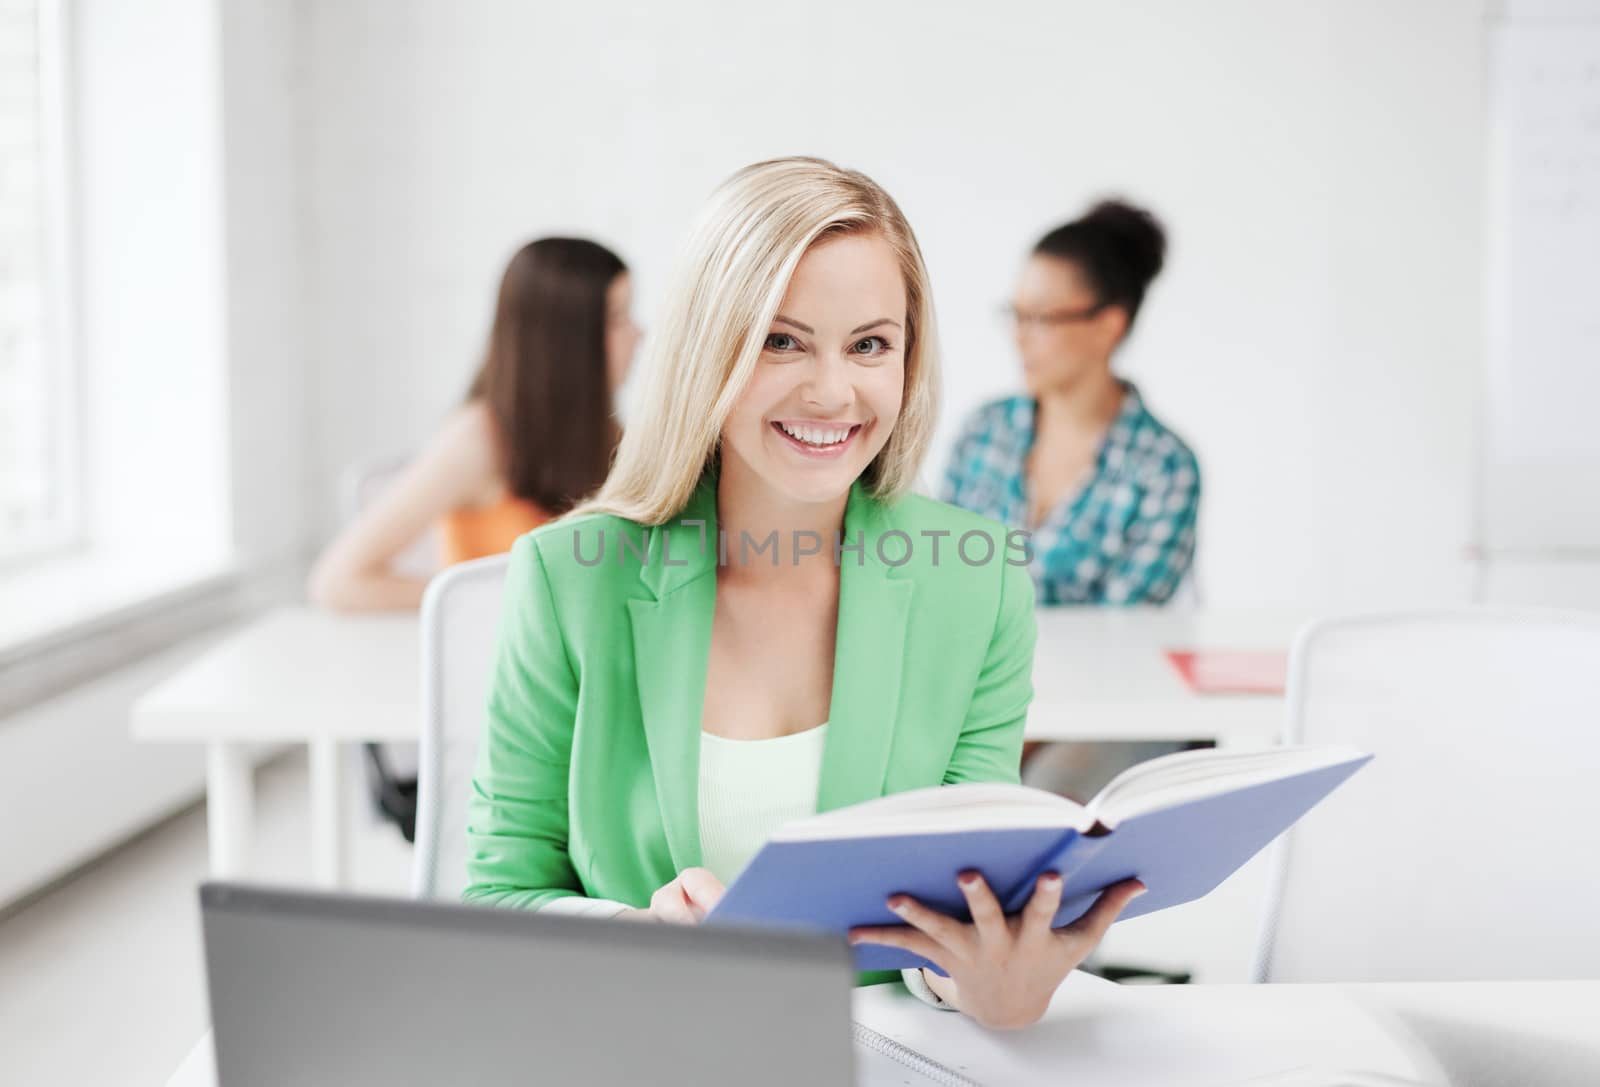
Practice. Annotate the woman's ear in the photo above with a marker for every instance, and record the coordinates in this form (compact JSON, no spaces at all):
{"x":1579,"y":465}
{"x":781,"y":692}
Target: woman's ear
{"x":1112,"y":324}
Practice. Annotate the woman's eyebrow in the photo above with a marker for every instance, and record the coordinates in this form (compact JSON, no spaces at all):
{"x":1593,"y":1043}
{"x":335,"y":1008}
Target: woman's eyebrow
{"x":808,"y":330}
{"x":874,"y":324}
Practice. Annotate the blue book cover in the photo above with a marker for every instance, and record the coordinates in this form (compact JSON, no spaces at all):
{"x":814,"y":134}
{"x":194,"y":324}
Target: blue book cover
{"x":1196,"y":819}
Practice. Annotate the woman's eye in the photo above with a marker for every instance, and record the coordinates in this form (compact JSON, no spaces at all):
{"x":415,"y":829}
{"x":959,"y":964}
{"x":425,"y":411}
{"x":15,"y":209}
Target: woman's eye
{"x":780,"y":341}
{"x":872,"y":345}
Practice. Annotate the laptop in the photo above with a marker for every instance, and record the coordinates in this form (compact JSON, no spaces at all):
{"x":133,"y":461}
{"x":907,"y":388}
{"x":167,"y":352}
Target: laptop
{"x":312,"y":988}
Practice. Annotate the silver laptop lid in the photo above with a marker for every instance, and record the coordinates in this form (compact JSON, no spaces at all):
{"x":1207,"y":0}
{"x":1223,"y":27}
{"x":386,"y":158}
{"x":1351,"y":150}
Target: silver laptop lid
{"x":312,"y":988}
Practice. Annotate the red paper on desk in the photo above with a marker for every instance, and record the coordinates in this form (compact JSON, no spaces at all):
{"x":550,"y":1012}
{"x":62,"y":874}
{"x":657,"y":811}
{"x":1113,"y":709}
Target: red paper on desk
{"x":1211,"y":671}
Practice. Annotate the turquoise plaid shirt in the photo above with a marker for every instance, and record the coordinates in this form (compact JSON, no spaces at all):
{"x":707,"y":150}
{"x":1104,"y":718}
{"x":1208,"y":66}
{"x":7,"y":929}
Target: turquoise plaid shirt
{"x":1126,"y":536}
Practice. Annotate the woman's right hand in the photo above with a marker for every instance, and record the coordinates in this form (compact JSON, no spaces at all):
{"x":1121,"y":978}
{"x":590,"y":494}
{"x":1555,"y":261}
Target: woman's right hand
{"x":684,"y":901}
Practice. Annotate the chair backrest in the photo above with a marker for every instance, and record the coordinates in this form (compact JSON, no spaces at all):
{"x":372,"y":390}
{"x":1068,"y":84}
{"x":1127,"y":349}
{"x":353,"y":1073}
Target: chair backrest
{"x":460,"y":620}
{"x":1467,"y":849}
{"x":361,"y":485}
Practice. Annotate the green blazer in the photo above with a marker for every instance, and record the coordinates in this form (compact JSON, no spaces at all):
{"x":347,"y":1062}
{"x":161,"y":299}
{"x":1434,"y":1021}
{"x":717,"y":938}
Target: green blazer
{"x":587,"y":778}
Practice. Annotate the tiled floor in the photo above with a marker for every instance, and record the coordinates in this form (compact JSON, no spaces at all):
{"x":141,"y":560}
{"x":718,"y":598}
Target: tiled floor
{"x":101,"y":980}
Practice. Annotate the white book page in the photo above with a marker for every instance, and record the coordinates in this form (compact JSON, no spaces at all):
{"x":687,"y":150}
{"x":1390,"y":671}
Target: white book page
{"x":1163,"y":782}
{"x":1171,"y":780}
{"x":941,"y":809}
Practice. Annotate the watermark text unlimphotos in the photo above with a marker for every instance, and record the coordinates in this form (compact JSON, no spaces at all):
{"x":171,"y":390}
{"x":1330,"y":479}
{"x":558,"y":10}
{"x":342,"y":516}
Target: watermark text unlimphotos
{"x":975,"y":547}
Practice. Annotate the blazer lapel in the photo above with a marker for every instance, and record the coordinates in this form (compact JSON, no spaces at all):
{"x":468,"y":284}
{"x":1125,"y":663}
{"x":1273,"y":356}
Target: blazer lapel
{"x":671,"y":642}
{"x":869,"y":654}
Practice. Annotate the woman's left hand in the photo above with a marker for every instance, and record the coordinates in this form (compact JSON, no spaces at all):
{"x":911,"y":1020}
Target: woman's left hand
{"x":1003,"y":970}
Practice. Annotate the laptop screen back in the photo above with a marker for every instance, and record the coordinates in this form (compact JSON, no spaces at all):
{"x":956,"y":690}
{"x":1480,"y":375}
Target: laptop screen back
{"x":313,"y":988}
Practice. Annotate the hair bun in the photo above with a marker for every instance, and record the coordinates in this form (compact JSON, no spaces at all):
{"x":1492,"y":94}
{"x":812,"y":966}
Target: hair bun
{"x":1138,"y":234}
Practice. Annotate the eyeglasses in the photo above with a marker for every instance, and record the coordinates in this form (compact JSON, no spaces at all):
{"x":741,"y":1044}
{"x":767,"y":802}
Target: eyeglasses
{"x":1016,"y":318}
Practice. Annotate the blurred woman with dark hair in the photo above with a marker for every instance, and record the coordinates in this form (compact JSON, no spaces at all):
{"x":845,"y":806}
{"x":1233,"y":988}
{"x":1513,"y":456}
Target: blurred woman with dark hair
{"x":534,"y":436}
{"x":1109,"y":493}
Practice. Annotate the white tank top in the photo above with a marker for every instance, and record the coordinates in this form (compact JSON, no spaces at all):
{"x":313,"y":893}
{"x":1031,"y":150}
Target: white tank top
{"x":749,"y":788}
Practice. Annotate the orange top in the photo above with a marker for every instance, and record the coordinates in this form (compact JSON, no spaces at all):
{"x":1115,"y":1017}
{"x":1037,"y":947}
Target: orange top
{"x":472,"y":533}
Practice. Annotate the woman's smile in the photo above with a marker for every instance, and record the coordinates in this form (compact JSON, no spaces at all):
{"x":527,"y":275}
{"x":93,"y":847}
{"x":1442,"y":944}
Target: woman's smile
{"x":817,"y":440}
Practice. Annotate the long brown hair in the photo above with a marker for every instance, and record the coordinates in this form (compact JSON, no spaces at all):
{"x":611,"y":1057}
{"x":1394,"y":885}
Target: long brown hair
{"x":544,"y":376}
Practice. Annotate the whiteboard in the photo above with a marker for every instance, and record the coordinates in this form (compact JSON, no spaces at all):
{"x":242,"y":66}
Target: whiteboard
{"x":1540,"y":461}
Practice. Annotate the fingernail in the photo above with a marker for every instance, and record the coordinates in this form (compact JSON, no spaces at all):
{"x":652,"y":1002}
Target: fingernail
{"x":969,"y":879}
{"x":853,"y":938}
{"x":1052,"y":881}
{"x":898,"y":905}
{"x":1142,"y":889}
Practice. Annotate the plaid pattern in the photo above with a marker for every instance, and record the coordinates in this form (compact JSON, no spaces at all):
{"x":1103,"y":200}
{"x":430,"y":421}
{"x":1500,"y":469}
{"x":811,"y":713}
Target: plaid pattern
{"x":1125,"y":537}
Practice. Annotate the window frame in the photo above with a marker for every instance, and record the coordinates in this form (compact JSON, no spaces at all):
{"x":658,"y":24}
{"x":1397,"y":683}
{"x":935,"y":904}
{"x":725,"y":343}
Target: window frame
{"x":65,"y":533}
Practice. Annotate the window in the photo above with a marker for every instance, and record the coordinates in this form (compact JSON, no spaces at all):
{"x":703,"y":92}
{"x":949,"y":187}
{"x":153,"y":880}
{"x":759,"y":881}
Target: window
{"x":115,"y":462}
{"x":38,"y":491}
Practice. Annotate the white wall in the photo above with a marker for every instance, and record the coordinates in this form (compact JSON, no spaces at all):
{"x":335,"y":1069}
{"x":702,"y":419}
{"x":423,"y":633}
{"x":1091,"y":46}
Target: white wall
{"x":76,"y":784}
{"x":1316,"y":335}
{"x":263,"y":169}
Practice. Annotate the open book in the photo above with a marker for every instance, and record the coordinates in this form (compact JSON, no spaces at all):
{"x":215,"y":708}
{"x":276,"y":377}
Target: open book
{"x":1181,"y":823}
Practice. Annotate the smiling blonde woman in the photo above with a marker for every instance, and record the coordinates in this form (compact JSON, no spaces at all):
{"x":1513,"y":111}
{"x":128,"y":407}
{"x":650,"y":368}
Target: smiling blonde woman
{"x":753,"y":621}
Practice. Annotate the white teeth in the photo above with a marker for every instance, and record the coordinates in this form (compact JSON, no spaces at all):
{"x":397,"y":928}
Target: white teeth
{"x":812,"y":435}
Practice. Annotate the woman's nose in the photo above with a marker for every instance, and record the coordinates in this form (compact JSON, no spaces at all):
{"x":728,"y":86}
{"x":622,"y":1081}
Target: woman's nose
{"x":828,"y":384}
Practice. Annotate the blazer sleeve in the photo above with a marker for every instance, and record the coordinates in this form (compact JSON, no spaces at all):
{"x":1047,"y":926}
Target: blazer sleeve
{"x":990,"y":745}
{"x":517,"y":809}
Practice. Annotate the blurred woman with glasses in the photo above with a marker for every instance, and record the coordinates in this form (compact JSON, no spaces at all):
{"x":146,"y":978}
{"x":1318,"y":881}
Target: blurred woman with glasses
{"x":1110,"y":494}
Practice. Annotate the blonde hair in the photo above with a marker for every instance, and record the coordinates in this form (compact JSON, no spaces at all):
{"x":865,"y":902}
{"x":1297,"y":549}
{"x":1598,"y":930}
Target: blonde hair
{"x":731,"y":279}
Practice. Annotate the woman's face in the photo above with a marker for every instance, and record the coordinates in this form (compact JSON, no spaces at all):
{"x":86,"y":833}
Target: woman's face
{"x":622,"y":335}
{"x":1060,"y":335}
{"x":827,"y":388}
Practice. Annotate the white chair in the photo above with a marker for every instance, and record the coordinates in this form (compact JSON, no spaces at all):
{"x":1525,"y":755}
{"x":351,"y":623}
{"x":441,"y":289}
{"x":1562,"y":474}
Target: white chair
{"x":1469,"y":848}
{"x":460,"y":620}
{"x":361,"y":484}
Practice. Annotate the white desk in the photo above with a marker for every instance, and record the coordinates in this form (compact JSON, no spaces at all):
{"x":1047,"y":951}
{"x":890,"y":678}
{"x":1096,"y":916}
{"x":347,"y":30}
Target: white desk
{"x":1102,"y":674}
{"x":296,"y":676}
{"x":1463,"y":1034}
{"x":304,"y":676}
